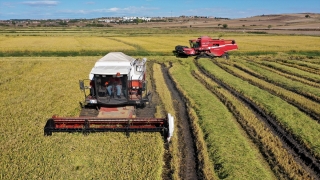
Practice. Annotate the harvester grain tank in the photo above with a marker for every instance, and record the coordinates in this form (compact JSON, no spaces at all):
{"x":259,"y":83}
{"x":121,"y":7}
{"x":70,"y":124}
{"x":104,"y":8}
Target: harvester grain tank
{"x":204,"y":46}
{"x":116,"y":86}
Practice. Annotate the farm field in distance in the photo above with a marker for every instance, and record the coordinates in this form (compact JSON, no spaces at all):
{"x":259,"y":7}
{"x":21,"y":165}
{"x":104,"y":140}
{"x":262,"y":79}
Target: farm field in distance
{"x":253,"y":116}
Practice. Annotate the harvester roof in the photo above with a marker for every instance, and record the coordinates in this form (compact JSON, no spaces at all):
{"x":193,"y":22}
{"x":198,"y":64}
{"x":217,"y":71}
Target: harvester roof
{"x":113,"y":63}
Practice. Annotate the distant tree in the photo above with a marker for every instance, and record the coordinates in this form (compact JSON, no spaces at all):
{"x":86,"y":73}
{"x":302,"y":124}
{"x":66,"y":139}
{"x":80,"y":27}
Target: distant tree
{"x":63,"y":23}
{"x":243,"y":25}
{"x":225,"y":26}
{"x":269,"y":26}
{"x":307,"y":16}
{"x":137,"y":20}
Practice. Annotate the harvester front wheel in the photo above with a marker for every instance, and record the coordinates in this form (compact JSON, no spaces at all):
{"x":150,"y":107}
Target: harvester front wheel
{"x":48,"y":127}
{"x":225,"y":56}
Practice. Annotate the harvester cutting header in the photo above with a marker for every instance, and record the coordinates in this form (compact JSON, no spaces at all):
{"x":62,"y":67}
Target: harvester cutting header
{"x":204,"y":46}
{"x":116,"y":86}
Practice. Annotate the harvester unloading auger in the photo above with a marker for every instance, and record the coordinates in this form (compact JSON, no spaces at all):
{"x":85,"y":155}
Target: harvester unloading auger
{"x":116,"y":86}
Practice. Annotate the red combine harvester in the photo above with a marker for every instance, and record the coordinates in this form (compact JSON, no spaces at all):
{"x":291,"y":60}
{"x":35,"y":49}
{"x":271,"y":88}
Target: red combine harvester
{"x":116,"y":86}
{"x":204,"y":46}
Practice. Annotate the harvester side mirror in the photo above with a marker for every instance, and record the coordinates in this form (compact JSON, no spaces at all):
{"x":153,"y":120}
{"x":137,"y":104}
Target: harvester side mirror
{"x":143,"y":86}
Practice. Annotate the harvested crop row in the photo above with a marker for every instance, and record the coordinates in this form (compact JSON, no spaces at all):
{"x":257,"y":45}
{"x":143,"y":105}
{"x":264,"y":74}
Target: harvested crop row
{"x":306,"y":105}
{"x":293,"y":71}
{"x":280,"y":160}
{"x":279,"y":79}
{"x":166,"y":100}
{"x":230,"y":150}
{"x":294,"y":121}
{"x":303,"y":68}
{"x":278,"y":72}
{"x":41,"y":87}
{"x":303,"y":63}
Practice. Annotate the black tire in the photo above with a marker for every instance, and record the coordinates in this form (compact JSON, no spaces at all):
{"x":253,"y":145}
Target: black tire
{"x":179,"y":48}
{"x":48,"y":127}
{"x":225,"y":56}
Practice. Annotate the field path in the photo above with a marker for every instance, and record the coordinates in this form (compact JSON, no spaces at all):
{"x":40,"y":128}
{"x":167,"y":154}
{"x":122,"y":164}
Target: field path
{"x":188,"y":165}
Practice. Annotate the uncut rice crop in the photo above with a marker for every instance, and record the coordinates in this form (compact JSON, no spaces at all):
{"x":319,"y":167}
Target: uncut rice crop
{"x":33,"y":89}
{"x":60,"y":43}
{"x":156,"y":44}
{"x":277,"y":43}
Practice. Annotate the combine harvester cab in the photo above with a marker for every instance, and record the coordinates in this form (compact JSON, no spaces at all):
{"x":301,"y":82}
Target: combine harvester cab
{"x":116,"y":86}
{"x":204,"y":46}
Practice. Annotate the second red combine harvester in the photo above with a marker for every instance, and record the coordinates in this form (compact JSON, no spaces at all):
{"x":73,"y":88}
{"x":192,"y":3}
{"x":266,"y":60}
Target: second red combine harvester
{"x":204,"y":46}
{"x":116,"y":86}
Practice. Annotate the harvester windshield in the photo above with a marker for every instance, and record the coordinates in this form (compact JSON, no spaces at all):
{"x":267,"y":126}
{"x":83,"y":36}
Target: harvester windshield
{"x":194,"y":44}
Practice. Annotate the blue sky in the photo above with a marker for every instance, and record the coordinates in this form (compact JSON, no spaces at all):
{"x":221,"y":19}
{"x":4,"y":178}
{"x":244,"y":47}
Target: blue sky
{"x":64,"y":9}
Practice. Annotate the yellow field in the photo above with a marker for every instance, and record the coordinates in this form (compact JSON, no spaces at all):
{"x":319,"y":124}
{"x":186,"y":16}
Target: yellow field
{"x":277,"y":43}
{"x":61,"y":43}
{"x":33,"y":89}
{"x":161,"y":43}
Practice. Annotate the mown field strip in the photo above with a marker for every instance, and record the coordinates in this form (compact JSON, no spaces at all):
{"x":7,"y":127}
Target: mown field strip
{"x":302,"y":62}
{"x":280,"y":160}
{"x":167,"y":103}
{"x":280,"y":79}
{"x":308,"y":106}
{"x":41,"y":87}
{"x":293,"y":71}
{"x":294,"y":121}
{"x":303,"y":68}
{"x":230,"y":150}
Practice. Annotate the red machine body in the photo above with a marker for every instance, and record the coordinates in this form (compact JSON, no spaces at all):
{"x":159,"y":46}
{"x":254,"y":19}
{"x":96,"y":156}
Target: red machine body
{"x":204,"y":46}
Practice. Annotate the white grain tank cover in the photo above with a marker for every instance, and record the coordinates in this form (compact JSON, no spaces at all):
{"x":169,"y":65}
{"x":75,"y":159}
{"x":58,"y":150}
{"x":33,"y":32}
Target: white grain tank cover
{"x":112,"y":63}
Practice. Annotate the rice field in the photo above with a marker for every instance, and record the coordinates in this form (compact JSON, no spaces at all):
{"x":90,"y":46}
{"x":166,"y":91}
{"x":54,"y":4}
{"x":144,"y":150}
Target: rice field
{"x":232,"y":141}
{"x":35,"y":89}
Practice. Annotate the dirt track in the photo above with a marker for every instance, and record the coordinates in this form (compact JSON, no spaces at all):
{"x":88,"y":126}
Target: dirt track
{"x":186,"y":143}
{"x":188,"y":166}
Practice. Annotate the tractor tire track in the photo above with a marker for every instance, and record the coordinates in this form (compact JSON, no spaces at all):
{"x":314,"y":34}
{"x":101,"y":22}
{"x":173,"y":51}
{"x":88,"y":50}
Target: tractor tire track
{"x":189,"y":162}
{"x":149,"y":111}
{"x":302,"y":155}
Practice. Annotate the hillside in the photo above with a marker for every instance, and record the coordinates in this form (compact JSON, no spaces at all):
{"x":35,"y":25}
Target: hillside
{"x":304,"y":23}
